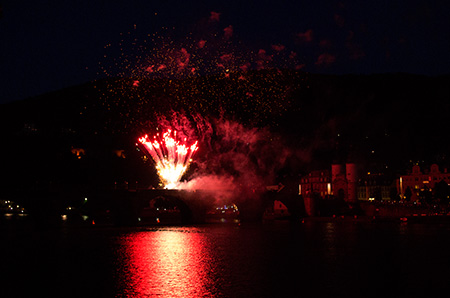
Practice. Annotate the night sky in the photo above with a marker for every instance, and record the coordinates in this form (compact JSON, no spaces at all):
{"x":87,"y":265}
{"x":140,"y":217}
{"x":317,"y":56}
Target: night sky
{"x":49,"y":45}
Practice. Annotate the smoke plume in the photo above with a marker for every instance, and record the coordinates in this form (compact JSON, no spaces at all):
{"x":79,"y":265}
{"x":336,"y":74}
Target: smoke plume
{"x":237,"y":161}
{"x":233,"y":161}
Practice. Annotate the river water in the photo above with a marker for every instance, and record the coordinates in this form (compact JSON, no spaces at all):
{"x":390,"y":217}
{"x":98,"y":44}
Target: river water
{"x":278,"y":259}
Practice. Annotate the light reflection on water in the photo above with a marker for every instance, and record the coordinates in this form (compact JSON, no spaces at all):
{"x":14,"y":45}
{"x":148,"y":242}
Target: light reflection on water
{"x":279,"y":259}
{"x":167,"y":263}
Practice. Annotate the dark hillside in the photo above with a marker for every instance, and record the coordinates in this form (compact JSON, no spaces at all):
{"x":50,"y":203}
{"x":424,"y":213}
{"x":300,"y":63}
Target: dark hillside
{"x":381,"y":121}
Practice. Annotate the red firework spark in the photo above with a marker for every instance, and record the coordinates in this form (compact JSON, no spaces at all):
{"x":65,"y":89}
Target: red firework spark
{"x":171,"y":156}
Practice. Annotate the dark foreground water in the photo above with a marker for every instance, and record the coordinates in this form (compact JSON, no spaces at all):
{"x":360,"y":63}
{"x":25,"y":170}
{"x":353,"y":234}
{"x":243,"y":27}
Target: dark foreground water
{"x":313,"y":259}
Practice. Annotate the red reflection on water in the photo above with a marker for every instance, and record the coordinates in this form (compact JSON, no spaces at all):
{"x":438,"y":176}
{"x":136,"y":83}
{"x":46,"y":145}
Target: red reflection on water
{"x":167,"y":263}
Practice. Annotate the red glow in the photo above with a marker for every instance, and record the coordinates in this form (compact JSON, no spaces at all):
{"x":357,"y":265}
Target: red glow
{"x":278,"y":47}
{"x":228,"y":32}
{"x":166,"y":263}
{"x":306,"y":36}
{"x":183,"y":61}
{"x":201,"y":44}
{"x":215,"y":16}
{"x":325,"y":59}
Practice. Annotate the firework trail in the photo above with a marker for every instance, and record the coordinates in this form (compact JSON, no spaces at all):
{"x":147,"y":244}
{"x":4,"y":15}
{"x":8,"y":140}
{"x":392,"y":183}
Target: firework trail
{"x":171,"y":156}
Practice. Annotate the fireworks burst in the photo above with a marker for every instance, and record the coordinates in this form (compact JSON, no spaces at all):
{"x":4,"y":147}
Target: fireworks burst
{"x":171,"y":156}
{"x":208,"y":71}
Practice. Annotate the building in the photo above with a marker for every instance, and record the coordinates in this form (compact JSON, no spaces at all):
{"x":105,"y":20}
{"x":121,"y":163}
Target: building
{"x":344,"y":179}
{"x":316,"y":182}
{"x":376,"y":186}
{"x":412,"y":184}
{"x":342,"y":182}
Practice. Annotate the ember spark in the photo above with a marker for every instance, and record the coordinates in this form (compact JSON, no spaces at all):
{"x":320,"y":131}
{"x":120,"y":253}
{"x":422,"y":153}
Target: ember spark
{"x":171,"y":156}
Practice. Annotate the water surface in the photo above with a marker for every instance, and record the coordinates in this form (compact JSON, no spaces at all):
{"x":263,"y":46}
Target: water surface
{"x":318,"y":259}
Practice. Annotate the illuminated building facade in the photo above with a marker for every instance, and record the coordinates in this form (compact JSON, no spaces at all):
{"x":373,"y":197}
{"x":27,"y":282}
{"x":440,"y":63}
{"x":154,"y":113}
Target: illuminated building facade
{"x":342,"y":182}
{"x":316,"y":182}
{"x":417,"y":181}
{"x":376,"y":187}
